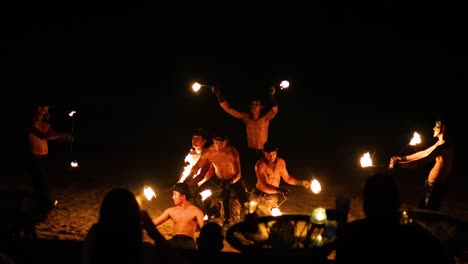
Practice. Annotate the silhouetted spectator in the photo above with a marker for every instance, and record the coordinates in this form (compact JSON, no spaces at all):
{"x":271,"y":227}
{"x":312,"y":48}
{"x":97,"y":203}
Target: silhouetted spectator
{"x":282,"y":235}
{"x":117,"y":237}
{"x":211,"y":238}
{"x":379,"y":237}
{"x":5,"y":259}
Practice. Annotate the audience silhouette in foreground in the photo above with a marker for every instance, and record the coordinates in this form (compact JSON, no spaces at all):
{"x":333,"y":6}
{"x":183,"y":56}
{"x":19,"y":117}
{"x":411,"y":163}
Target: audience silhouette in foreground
{"x":117,"y":237}
{"x":211,"y":238}
{"x":380,"y":237}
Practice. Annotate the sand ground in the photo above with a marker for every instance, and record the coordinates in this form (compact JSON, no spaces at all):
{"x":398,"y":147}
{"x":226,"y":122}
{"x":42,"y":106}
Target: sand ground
{"x":79,"y":193}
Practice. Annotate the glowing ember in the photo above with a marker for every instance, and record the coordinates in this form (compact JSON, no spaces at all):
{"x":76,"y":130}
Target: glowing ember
{"x":275,"y":211}
{"x":366,"y":160}
{"x":196,"y":87}
{"x":284,"y":85}
{"x":149,"y":193}
{"x":74,"y":164}
{"x":315,"y":186}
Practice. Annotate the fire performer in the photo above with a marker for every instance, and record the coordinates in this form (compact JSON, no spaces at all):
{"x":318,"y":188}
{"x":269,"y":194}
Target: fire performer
{"x":199,"y":140}
{"x":226,"y":162}
{"x":185,"y":217}
{"x":270,"y":170}
{"x":256,"y":127}
{"x":442,"y":153}
{"x":38,"y":136}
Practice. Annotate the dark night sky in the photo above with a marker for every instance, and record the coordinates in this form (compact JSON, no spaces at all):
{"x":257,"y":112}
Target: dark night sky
{"x":363,"y":77}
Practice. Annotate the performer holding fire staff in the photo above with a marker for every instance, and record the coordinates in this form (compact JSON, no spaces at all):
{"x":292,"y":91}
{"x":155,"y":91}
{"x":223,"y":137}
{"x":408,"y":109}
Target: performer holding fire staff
{"x":39,"y":134}
{"x":226,"y":162}
{"x":199,"y":140}
{"x":270,"y":170}
{"x":442,"y":154}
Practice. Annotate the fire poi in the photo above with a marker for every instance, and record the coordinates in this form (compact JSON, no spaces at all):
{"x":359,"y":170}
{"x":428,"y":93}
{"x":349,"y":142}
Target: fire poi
{"x":197,"y":86}
{"x":73,"y":163}
{"x":366,"y":159}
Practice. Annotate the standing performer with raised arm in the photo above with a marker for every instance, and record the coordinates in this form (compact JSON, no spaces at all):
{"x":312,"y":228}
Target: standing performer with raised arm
{"x":256,"y":128}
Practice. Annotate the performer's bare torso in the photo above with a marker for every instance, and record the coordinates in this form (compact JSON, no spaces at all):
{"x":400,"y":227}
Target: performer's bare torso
{"x":38,"y":146}
{"x":442,"y":167}
{"x":224,"y":158}
{"x":225,"y":161}
{"x":272,"y":175}
{"x":256,"y":131}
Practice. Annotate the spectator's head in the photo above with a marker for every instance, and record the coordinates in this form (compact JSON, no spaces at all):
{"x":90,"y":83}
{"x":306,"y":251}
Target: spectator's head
{"x":120,"y":209}
{"x":381,"y":197}
{"x":119,"y":228}
{"x":211,"y":237}
{"x":282,"y":235}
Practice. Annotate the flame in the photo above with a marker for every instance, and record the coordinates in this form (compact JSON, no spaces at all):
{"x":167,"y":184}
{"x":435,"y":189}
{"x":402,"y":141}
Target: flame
{"x":275,"y":211}
{"x":284,"y":85}
{"x":74,"y":164}
{"x":315,"y":186}
{"x":205,"y":194}
{"x":190,"y":160}
{"x":196,"y":87}
{"x":149,"y":193}
{"x":416,"y":139}
{"x":366,"y":160}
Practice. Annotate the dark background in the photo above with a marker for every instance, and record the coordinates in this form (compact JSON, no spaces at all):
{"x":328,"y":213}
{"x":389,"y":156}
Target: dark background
{"x":364,"y":77}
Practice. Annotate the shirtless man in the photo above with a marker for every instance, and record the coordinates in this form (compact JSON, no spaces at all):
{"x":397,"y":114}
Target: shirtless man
{"x":226,"y":162}
{"x":256,"y":128}
{"x":38,"y":136}
{"x":199,"y":140}
{"x":442,"y":152}
{"x":270,"y":170}
{"x":185,"y":217}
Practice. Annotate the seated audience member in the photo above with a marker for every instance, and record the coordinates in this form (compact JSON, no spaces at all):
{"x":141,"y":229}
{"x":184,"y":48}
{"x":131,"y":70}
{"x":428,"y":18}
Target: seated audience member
{"x":379,"y":237}
{"x":117,"y":237}
{"x":211,"y":238}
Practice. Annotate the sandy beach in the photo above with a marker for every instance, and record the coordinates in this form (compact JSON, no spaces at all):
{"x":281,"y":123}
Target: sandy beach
{"x":79,"y":193}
